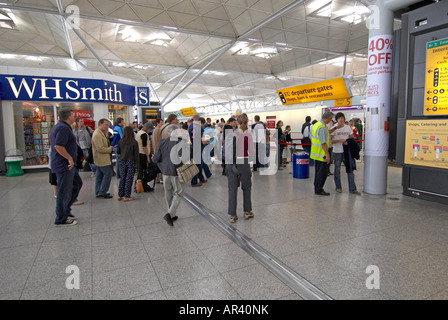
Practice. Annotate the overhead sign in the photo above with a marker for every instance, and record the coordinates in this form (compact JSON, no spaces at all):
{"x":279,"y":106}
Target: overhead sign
{"x":427,"y":143}
{"x":317,"y":91}
{"x":347,"y":102}
{"x":188,"y":112}
{"x":436,"y":85}
{"x":35,"y":88}
{"x":143,"y":96}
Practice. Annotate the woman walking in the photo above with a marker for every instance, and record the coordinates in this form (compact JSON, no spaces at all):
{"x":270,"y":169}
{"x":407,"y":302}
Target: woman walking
{"x":238,"y":168}
{"x":127,"y":149}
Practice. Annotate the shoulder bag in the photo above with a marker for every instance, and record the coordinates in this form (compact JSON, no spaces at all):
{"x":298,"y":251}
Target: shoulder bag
{"x":187,"y":171}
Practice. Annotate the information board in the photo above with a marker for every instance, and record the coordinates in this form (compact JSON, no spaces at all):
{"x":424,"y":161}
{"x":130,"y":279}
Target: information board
{"x":436,"y":84}
{"x":427,"y":143}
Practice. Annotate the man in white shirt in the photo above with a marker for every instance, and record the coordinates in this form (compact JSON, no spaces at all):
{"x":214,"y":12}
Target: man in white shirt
{"x":339,"y":138}
{"x":259,"y":137}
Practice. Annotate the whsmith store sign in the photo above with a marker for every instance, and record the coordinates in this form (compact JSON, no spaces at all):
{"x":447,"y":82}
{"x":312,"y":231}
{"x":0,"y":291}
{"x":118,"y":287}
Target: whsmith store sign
{"x":35,"y":88}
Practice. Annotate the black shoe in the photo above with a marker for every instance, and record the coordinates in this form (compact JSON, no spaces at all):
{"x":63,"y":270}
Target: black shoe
{"x":107,"y":196}
{"x":174,"y":218}
{"x":148,"y":190}
{"x":323,"y":193}
{"x":103,"y":196}
{"x":168,"y":219}
{"x":71,"y":216}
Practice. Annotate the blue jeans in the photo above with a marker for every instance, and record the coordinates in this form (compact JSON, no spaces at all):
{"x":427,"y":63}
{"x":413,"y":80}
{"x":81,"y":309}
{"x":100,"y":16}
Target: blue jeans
{"x":338,"y":159}
{"x":103,"y":178}
{"x":69,"y":185}
{"x":208,"y":174}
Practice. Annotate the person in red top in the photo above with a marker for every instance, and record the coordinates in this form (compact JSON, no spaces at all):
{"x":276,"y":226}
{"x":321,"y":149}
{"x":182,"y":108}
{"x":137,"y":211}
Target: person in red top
{"x":238,"y":170}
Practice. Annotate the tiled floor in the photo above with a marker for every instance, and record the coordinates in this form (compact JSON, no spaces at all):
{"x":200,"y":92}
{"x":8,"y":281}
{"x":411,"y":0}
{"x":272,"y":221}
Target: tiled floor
{"x":127,"y":251}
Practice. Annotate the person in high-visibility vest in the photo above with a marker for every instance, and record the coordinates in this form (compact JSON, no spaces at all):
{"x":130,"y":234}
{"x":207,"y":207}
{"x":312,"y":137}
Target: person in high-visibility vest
{"x":320,"y":137}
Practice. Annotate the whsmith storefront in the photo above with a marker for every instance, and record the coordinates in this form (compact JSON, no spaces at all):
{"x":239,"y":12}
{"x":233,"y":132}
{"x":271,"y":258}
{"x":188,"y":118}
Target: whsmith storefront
{"x":31,"y":98}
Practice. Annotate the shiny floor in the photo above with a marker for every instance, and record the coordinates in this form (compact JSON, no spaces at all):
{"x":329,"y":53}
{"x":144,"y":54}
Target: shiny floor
{"x":127,"y":251}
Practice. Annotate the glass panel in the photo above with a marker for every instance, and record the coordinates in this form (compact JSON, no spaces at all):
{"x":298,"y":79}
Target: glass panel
{"x":81,"y":110}
{"x":33,"y":122}
{"x":116,"y":111}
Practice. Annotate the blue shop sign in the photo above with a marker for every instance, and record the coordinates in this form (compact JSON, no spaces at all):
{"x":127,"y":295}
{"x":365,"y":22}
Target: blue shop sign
{"x":143,"y":96}
{"x":35,"y":88}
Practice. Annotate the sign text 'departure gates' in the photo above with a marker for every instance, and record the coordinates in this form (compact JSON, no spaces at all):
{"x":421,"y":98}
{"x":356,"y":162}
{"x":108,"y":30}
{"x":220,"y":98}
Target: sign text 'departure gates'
{"x":317,"y":91}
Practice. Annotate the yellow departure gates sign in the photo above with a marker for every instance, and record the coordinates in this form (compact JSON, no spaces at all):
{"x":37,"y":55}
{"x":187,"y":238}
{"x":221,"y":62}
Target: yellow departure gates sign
{"x":187,"y":112}
{"x":427,"y":143}
{"x":436,"y":85}
{"x":317,"y":91}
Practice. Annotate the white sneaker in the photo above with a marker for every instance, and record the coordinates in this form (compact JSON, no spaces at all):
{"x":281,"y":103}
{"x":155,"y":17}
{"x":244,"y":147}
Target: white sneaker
{"x":68,"y":222}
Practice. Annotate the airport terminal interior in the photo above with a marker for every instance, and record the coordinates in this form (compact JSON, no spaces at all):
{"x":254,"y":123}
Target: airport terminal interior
{"x":127,"y":250}
{"x":384,"y":64}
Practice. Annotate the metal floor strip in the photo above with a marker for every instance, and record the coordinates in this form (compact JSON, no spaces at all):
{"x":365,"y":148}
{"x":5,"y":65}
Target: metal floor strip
{"x":292,"y":279}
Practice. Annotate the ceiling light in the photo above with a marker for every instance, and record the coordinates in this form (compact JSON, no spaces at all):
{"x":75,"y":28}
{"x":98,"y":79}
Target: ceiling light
{"x":317,"y":4}
{"x":7,"y":19}
{"x":353,"y":15}
{"x":33,"y":58}
{"x":161,"y":43}
{"x":139,"y":66}
{"x":325,"y":11}
{"x":7,"y":56}
{"x":264,"y":55}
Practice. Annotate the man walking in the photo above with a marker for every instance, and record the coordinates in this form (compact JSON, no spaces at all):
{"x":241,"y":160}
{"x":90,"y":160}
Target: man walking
{"x":174,"y":191}
{"x":101,"y":157}
{"x":64,"y":151}
{"x":320,"y":136}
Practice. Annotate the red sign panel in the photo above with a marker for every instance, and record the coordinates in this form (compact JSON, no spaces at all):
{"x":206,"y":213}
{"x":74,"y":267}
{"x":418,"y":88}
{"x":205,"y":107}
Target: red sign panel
{"x":270,"y":122}
{"x":82,"y":114}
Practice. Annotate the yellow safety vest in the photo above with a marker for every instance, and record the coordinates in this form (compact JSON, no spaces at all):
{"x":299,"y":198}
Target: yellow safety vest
{"x":317,"y":152}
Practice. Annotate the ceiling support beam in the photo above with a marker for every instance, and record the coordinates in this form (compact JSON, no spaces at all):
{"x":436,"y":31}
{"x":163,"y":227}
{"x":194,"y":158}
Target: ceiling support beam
{"x":220,"y":52}
{"x":76,"y":31}
{"x":64,"y":28}
{"x":226,"y":47}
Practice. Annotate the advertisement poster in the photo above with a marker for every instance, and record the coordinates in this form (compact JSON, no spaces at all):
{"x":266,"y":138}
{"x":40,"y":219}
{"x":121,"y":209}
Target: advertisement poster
{"x":379,"y":71}
{"x":427,"y":143}
{"x":436,"y":84}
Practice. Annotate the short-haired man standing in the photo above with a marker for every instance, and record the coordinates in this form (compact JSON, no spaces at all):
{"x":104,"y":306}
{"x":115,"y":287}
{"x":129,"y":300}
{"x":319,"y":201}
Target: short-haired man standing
{"x":259,"y":135}
{"x":118,"y":134}
{"x":144,"y":149}
{"x":101,"y":157}
{"x":64,"y":150}
{"x":320,"y":138}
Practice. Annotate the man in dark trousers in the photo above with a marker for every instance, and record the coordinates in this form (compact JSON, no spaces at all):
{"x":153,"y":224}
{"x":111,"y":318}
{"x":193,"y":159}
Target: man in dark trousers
{"x":64,"y":152}
{"x":259,"y":135}
{"x":320,"y":139}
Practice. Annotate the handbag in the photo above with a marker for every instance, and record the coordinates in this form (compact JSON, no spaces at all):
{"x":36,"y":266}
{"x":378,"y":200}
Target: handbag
{"x":187,"y":171}
{"x":139,"y":186}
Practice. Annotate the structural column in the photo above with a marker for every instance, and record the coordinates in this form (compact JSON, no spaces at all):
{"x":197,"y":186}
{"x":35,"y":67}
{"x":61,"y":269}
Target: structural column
{"x":379,"y":77}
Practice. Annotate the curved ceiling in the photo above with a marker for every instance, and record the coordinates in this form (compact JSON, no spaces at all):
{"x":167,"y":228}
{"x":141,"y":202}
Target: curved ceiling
{"x":192,"y":52}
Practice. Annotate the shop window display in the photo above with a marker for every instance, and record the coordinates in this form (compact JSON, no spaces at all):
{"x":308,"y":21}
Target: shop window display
{"x":33,"y":123}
